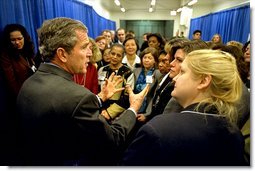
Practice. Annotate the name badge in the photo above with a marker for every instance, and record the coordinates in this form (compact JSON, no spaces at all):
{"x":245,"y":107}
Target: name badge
{"x":101,"y":76}
{"x":149,"y":79}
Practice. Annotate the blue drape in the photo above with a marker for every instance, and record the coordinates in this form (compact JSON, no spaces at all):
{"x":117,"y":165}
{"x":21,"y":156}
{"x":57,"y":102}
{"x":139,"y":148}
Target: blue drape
{"x":32,"y":13}
{"x":233,"y":24}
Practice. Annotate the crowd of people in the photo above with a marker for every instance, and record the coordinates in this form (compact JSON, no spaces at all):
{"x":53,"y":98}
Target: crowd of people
{"x":106,"y":101}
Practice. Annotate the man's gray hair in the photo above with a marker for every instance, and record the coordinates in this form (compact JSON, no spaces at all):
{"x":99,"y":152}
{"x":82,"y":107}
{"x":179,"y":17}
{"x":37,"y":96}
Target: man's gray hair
{"x":58,"y":32}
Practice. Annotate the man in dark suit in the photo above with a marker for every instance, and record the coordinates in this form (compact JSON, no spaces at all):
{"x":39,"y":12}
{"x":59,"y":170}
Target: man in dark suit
{"x":60,"y":120}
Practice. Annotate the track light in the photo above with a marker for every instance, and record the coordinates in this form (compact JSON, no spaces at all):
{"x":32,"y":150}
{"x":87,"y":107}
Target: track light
{"x":117,"y":2}
{"x":179,"y":10}
{"x":173,"y":12}
{"x":122,"y":9}
{"x":192,"y":2}
{"x":153,"y":2}
{"x":150,"y":9}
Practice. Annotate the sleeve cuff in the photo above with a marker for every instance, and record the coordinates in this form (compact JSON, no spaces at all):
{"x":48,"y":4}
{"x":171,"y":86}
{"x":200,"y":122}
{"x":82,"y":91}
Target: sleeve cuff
{"x":133,"y":111}
{"x":100,"y":101}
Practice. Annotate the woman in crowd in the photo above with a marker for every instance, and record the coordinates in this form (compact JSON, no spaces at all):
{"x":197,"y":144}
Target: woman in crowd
{"x":216,"y":39}
{"x":101,"y":43}
{"x":146,"y":75}
{"x":156,"y":40}
{"x":204,"y":133}
{"x":131,"y":59}
{"x":247,"y":58}
{"x":16,"y":65}
{"x":235,"y":43}
{"x":119,"y":101}
{"x":165,"y":85}
{"x":17,"y":57}
{"x":105,"y":59}
{"x":178,"y":52}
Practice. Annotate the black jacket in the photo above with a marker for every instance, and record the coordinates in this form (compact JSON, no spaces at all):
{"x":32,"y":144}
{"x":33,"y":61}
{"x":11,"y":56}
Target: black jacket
{"x":61,"y":124}
{"x":187,"y":138}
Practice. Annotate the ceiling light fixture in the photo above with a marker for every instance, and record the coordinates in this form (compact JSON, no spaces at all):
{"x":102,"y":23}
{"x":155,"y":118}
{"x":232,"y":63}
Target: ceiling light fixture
{"x":173,"y":12}
{"x":122,"y":9}
{"x":117,"y":2}
{"x":192,"y":2}
{"x":153,"y":2}
{"x":150,"y":9}
{"x":179,"y":9}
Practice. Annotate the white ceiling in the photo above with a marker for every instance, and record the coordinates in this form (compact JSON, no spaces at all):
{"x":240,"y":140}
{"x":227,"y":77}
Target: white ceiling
{"x":143,"y":5}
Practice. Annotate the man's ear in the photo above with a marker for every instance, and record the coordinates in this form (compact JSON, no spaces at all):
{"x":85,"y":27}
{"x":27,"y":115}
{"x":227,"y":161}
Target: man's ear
{"x":205,"y":82}
{"x":61,"y":54}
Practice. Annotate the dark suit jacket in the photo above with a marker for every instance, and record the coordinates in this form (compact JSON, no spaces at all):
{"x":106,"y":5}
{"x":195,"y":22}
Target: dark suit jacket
{"x":160,"y":99}
{"x":186,"y":138}
{"x":61,"y":124}
{"x":243,"y":107}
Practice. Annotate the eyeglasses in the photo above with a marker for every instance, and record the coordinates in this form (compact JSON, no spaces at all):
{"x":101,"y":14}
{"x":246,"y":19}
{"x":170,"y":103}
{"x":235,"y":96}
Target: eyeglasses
{"x":16,"y":39}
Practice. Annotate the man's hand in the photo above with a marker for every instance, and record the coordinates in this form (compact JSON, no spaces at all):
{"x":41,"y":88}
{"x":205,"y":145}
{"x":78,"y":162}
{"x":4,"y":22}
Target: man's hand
{"x":105,"y":114}
{"x":136,"y":100}
{"x":109,"y":87}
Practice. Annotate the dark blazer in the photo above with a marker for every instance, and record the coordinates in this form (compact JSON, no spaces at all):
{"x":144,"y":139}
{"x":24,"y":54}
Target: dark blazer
{"x":61,"y":124}
{"x":186,"y":138}
{"x":161,"y":97}
{"x":243,"y":107}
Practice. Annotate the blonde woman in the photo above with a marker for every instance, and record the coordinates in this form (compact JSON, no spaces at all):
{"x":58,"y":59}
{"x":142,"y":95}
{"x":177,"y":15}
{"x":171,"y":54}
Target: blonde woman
{"x":204,"y":132}
{"x":216,"y":39}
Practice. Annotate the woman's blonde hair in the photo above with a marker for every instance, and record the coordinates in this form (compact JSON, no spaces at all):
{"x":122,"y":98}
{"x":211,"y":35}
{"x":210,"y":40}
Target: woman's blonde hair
{"x":225,"y":88}
{"x":96,"y":53}
{"x":235,"y":43}
{"x":220,"y":39}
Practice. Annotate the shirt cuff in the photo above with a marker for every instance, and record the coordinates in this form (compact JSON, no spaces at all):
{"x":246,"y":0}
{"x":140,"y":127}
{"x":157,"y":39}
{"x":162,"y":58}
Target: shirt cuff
{"x":133,"y":111}
{"x":100,"y":101}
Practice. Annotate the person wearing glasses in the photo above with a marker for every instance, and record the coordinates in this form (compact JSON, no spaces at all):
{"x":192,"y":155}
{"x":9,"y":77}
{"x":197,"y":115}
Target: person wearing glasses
{"x":17,"y":57}
{"x":16,"y":65}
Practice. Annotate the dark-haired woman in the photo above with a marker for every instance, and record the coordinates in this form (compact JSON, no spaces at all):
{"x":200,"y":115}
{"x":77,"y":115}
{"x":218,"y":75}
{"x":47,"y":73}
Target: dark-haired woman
{"x":16,"y":65}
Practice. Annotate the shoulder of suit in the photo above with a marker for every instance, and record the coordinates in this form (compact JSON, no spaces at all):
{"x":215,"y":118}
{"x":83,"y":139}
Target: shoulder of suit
{"x":137,"y":71}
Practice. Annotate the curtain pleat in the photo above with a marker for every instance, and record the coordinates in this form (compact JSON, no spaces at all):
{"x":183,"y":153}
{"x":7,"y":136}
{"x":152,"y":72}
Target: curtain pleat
{"x":233,"y":24}
{"x":32,"y":13}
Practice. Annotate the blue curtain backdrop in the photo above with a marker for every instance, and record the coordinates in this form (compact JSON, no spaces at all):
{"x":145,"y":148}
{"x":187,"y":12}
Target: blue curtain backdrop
{"x":233,"y":24}
{"x":32,"y":13}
